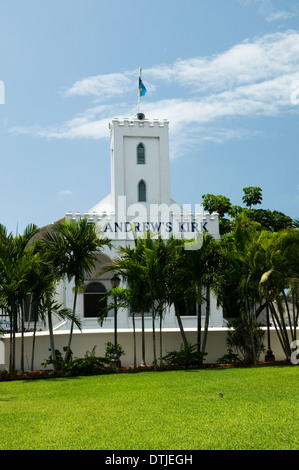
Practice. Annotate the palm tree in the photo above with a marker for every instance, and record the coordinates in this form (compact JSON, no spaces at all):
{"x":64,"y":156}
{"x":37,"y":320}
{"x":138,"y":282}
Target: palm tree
{"x":40,"y":291}
{"x":45,"y":277}
{"x":130,"y":265}
{"x":296,"y":223}
{"x":142,"y":268}
{"x":242,"y":260}
{"x":15,"y":265}
{"x":198,"y":267}
{"x":153,"y":262}
{"x":281,"y":285}
{"x":73,"y":246}
{"x":123,"y":298}
{"x":178,"y":289}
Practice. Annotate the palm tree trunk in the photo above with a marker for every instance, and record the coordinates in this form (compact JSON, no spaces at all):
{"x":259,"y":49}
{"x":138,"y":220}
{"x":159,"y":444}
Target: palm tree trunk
{"x":281,"y":331}
{"x":198,"y":308}
{"x":154,"y":340}
{"x":207,"y":318}
{"x":198,"y":312}
{"x":134,"y":339}
{"x":250,"y":320}
{"x":33,"y":345}
{"x":276,"y":325}
{"x":11,"y":342}
{"x":22,"y":334}
{"x":143,"y":364}
{"x":51,"y":334}
{"x":29,"y":313}
{"x":14,"y":327}
{"x":295,"y":314}
{"x":288,"y":313}
{"x":181,"y":327}
{"x":68,"y":352}
{"x":252,"y":345}
{"x":161,"y":319}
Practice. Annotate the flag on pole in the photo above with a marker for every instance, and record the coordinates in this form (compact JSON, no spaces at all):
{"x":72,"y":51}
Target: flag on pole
{"x":142,"y":89}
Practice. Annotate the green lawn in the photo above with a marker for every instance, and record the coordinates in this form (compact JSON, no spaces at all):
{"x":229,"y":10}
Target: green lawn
{"x":175,"y":410}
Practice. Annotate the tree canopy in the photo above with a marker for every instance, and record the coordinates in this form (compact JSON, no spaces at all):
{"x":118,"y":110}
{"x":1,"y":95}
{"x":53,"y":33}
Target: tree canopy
{"x":272,"y":221}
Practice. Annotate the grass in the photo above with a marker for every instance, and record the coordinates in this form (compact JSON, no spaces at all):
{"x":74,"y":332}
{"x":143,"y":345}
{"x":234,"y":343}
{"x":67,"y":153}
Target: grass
{"x":174,"y":410}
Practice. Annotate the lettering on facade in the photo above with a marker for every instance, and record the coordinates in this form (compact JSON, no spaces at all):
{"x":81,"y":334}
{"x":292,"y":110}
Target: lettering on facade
{"x":157,"y":227}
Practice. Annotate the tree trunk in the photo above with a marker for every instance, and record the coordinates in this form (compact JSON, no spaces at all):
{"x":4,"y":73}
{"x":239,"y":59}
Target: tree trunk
{"x":281,"y":332}
{"x":143,"y":364}
{"x":134,"y":339}
{"x":51,"y":334}
{"x":295,"y":315}
{"x":68,"y":352}
{"x":288,"y":313}
{"x":14,"y":327}
{"x":11,"y":342}
{"x":253,"y":346}
{"x":154,"y":341}
{"x":198,"y":313}
{"x":181,"y":327}
{"x":33,"y":345}
{"x":161,"y":319}
{"x":29,"y":313}
{"x":207,"y":318}
{"x":22,"y":334}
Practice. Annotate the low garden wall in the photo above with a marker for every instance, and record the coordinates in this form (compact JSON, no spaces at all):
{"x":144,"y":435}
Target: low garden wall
{"x":87,"y":340}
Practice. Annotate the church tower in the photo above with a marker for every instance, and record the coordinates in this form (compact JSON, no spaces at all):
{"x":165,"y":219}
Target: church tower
{"x":140,"y":186}
{"x":139,"y":161}
{"x":139,"y":174}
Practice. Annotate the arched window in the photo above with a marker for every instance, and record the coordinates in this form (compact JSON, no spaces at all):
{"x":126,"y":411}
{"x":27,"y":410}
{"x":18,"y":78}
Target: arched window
{"x":140,"y":154}
{"x":94,"y":300}
{"x":141,"y":191}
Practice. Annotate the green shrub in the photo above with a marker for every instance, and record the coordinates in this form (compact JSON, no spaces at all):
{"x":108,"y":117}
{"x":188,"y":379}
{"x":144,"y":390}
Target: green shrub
{"x":90,"y":364}
{"x":229,"y":358}
{"x":109,"y":355}
{"x":59,"y":363}
{"x":4,"y":374}
{"x":187,"y":356}
{"x":247,"y":338}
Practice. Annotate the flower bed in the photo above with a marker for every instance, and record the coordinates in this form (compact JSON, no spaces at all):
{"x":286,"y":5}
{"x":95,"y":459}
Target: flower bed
{"x":5,"y":375}
{"x":36,"y":374}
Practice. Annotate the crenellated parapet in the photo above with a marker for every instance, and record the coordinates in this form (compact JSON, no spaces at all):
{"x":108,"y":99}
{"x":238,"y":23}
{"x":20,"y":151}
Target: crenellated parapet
{"x":178,"y":223}
{"x":135,"y":122}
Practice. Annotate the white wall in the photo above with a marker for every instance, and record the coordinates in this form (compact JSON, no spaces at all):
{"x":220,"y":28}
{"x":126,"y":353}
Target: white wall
{"x":82,"y":342}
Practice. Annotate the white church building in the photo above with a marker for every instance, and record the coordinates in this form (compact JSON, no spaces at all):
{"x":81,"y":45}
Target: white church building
{"x":140,"y":198}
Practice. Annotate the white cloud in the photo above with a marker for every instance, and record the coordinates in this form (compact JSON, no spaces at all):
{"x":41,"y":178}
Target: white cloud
{"x":281,"y":15}
{"x":65,"y":192}
{"x":251,"y":79}
{"x":102,"y":86}
{"x":268,"y":9}
{"x":248,"y":62}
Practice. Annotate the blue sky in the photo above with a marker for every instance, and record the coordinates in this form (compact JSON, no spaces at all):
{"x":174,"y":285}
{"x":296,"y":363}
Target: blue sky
{"x":225,"y":73}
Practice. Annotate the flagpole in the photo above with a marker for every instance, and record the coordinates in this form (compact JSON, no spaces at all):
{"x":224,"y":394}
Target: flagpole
{"x":138,"y":107}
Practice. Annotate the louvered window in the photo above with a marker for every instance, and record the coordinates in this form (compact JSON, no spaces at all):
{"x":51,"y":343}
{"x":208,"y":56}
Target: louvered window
{"x":141,"y":191}
{"x":140,"y":154}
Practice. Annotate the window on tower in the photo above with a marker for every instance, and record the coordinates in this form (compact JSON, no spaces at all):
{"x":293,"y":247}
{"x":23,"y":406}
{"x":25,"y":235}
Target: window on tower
{"x":141,"y":191}
{"x":140,"y":154}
